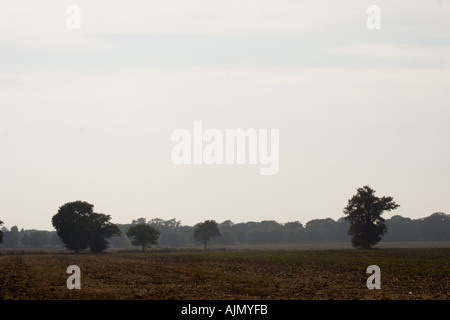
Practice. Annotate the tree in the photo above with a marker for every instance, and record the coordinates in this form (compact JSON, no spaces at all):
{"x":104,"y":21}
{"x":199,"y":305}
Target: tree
{"x":101,"y":229}
{"x":400,"y":229}
{"x":55,"y":240}
{"x":122,"y":240}
{"x":226,"y":225}
{"x":72,"y":224}
{"x":255,"y":235}
{"x":319,"y":230}
{"x":436,"y":227}
{"x":143,"y":235}
{"x":36,"y":239}
{"x":363,"y":212}
{"x":1,"y":232}
{"x":228,"y":237}
{"x":139,"y":221}
{"x":11,"y":237}
{"x":293,"y":232}
{"x":26,"y":240}
{"x":78,"y":227}
{"x":174,"y":238}
{"x":206,"y":231}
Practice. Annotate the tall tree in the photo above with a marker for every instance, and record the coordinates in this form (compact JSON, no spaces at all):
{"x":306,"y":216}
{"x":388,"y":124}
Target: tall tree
{"x":143,"y":234}
{"x":363,"y":212}
{"x":206,"y":231}
{"x":78,"y":227}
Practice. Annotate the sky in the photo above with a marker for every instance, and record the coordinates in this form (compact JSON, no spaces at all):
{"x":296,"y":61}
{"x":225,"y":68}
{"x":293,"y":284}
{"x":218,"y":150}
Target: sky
{"x":87,"y":114}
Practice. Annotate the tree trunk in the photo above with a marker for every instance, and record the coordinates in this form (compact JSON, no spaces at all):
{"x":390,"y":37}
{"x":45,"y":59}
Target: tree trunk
{"x":205,"y":244}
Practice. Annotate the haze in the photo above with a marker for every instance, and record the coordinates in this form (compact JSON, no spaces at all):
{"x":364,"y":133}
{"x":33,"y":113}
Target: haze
{"x":88,"y":114}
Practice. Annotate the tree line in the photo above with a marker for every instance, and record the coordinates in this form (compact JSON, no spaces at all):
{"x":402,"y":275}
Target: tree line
{"x":78,"y":227}
{"x":435,"y":227}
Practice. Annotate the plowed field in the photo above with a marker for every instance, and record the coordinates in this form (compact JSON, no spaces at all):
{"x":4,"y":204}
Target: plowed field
{"x":311,"y":274}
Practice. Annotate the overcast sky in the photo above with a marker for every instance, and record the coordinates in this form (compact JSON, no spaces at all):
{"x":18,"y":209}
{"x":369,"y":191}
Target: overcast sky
{"x":88,"y":114}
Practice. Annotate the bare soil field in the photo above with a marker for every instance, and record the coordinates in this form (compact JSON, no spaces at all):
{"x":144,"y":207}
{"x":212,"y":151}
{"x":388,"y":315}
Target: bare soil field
{"x":406,"y":273}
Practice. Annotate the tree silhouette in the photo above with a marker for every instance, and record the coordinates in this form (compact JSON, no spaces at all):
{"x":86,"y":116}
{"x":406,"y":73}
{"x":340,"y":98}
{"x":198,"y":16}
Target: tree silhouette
{"x":363,"y":212}
{"x":101,"y":229}
{"x":206,"y":231}
{"x":78,"y":227}
{"x":142,"y":234}
{"x":72,"y":224}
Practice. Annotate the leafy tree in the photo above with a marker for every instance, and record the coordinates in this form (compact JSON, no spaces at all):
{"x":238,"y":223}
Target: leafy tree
{"x":1,"y":232}
{"x":206,"y":231}
{"x":72,"y":224}
{"x":101,"y":229}
{"x":363,"y":212}
{"x":143,"y":235}
{"x":78,"y":227}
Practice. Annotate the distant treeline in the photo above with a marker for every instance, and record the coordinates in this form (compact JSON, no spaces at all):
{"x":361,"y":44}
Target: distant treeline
{"x":435,"y":227}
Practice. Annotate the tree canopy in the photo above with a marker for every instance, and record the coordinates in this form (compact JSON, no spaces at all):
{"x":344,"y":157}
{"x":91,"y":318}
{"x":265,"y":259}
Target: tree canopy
{"x":363,"y":212}
{"x":78,"y":227}
{"x":206,"y":231}
{"x":101,"y":229}
{"x":142,"y":234}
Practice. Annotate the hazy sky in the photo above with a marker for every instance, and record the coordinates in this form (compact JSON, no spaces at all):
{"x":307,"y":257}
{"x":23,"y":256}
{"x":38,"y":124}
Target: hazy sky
{"x":88,"y":114}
